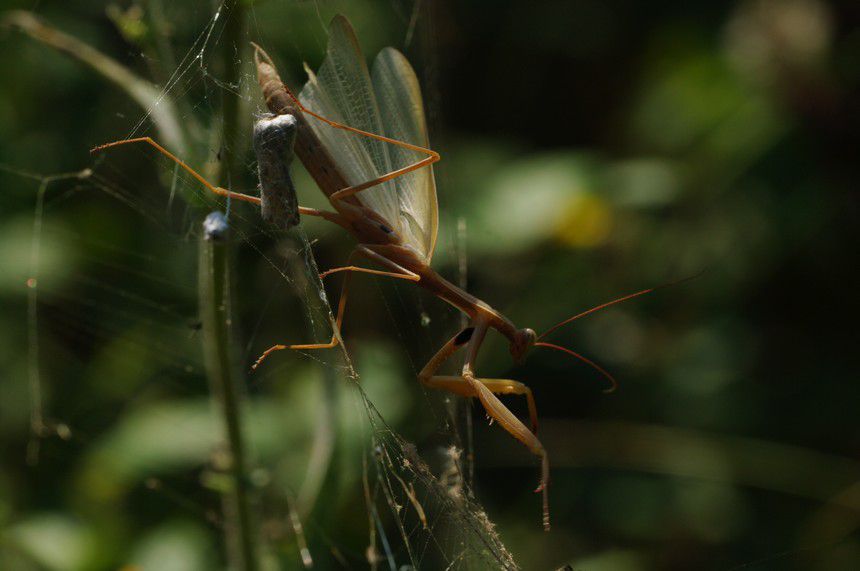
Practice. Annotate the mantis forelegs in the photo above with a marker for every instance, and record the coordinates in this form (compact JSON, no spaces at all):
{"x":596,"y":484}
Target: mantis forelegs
{"x":485,"y":390}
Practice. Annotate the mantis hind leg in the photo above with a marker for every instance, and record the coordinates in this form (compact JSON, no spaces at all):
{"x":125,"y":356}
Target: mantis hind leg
{"x":397,"y":271}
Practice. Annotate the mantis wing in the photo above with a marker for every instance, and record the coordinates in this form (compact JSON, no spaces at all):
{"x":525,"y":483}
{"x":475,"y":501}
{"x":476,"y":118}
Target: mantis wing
{"x":399,"y":97}
{"x":389,"y":104}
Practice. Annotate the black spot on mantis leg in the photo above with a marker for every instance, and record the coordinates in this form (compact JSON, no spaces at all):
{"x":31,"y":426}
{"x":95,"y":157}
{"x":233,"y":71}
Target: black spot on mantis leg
{"x":273,"y":144}
{"x":464,"y":336}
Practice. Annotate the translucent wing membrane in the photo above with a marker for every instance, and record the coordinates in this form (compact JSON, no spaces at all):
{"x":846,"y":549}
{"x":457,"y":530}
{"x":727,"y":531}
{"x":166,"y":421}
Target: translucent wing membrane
{"x":399,"y":97}
{"x":386,"y":102}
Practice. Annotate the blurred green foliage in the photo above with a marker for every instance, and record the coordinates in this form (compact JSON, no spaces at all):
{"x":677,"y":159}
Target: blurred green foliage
{"x":590,"y":149}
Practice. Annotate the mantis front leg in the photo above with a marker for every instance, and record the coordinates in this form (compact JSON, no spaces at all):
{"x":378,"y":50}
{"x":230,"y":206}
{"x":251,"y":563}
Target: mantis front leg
{"x":468,"y":385}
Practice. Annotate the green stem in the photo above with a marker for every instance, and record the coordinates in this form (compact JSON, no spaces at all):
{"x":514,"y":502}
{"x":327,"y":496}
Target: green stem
{"x":214,"y":270}
{"x":215,"y":304}
{"x":232,"y":44}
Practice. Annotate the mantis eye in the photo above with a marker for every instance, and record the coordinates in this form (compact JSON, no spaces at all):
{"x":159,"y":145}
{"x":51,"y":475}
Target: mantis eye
{"x":530,"y":335}
{"x":524,"y":341}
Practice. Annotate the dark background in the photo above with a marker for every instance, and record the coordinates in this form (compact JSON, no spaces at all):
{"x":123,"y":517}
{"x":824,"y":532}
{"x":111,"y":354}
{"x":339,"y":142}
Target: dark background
{"x":590,"y":149}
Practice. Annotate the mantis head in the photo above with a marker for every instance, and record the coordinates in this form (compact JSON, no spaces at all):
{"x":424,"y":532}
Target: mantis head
{"x":523,"y":340}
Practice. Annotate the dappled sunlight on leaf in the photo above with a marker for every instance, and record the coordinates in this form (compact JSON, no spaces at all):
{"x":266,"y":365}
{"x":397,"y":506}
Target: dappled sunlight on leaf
{"x":56,"y":541}
{"x":533,"y":198}
{"x":586,"y":223}
{"x":173,"y":546}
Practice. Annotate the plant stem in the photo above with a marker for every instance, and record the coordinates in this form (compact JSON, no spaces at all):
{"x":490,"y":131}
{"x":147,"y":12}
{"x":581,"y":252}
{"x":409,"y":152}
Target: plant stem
{"x":214,"y":271}
{"x":232,"y":42}
{"x":215,"y":305}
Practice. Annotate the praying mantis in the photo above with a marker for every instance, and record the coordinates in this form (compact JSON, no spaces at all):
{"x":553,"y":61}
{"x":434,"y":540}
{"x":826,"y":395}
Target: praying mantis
{"x":359,"y":134}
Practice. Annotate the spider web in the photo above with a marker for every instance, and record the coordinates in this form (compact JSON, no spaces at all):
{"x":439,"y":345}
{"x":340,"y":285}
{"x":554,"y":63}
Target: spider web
{"x":118,"y":318}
